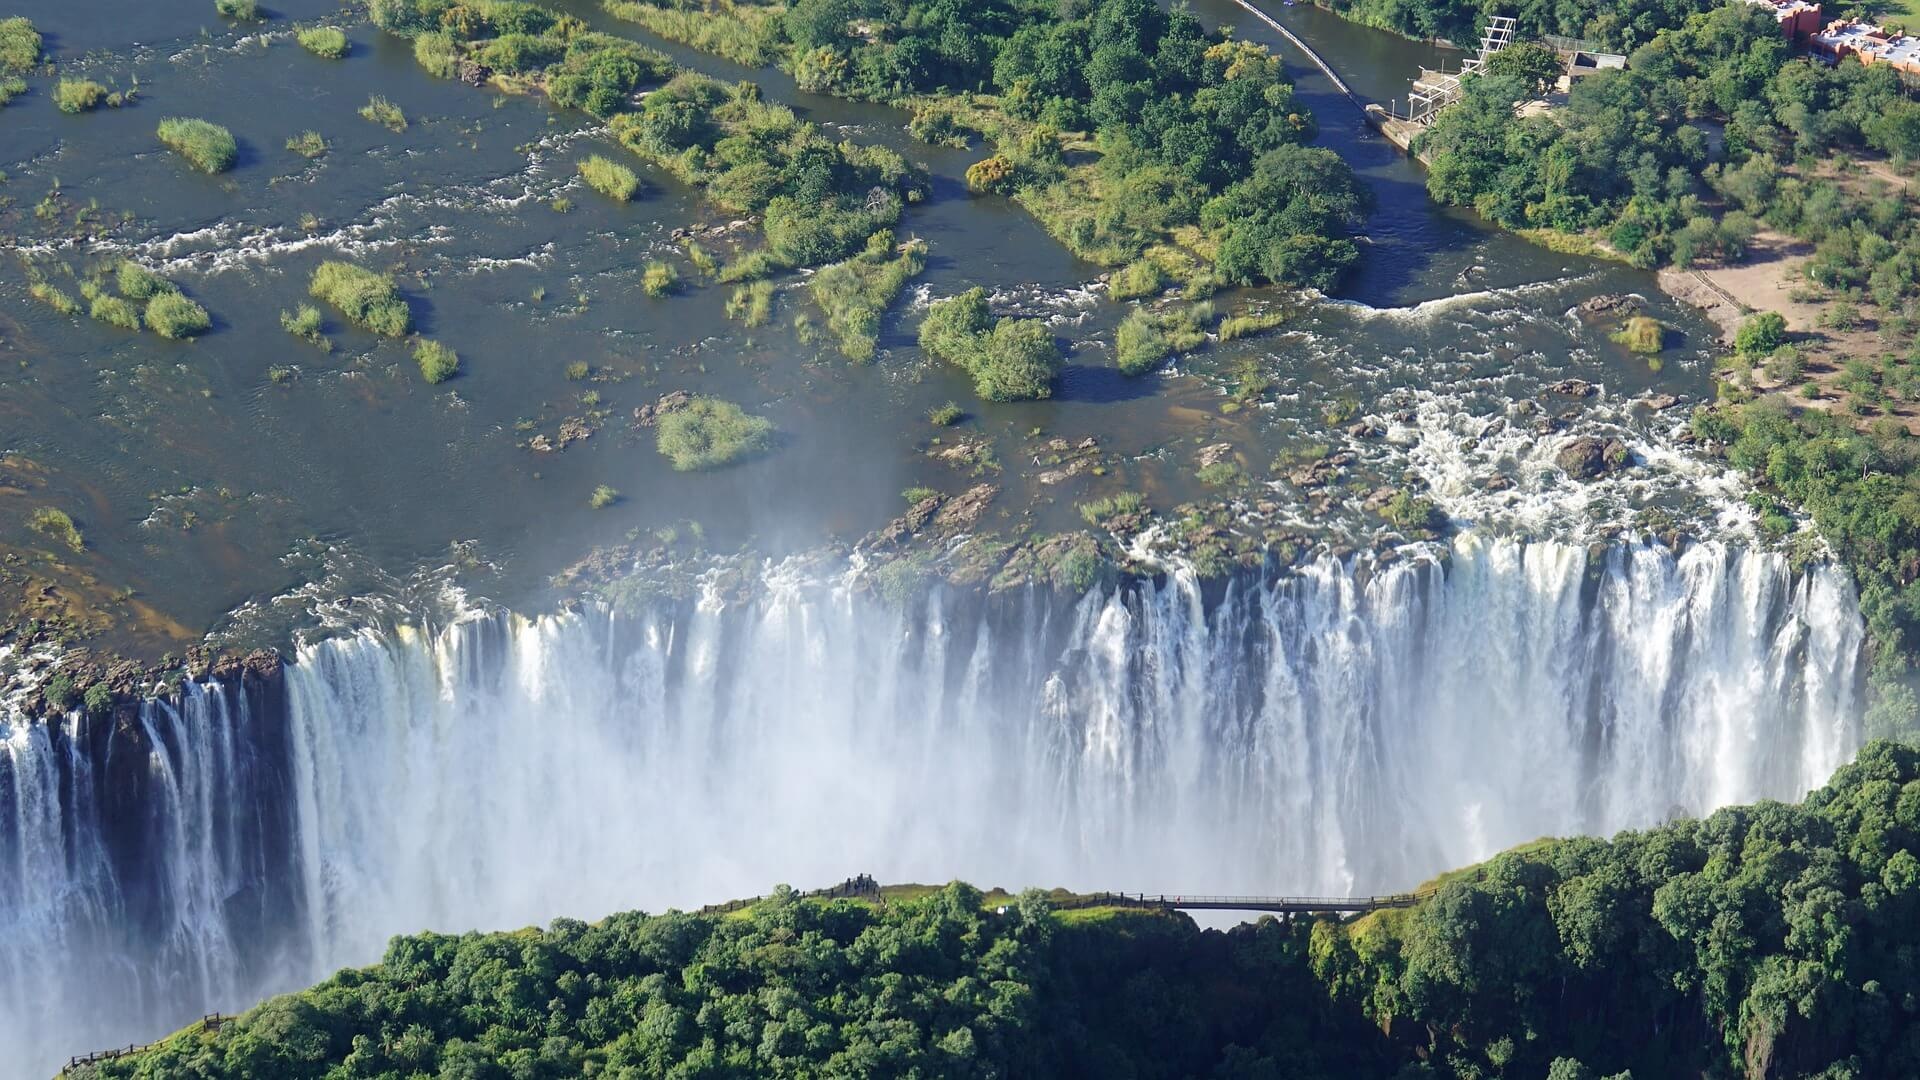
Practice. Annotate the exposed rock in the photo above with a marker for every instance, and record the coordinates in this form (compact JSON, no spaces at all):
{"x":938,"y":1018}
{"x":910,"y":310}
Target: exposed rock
{"x":573,"y":430}
{"x":1659,"y":402}
{"x":541,"y":444}
{"x":934,"y":516}
{"x":965,"y":510}
{"x":1588,"y":456}
{"x":1363,"y":430}
{"x":1088,"y":443}
{"x":1378,"y":498}
{"x":473,"y":73}
{"x":1497,"y":482}
{"x":1609,"y":304}
{"x":1572,"y":388}
{"x":1215,"y":454}
{"x":671,"y":401}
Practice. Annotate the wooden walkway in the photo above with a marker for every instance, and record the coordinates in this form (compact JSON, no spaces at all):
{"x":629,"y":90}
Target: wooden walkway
{"x":1279,"y":905}
{"x":209,"y":1022}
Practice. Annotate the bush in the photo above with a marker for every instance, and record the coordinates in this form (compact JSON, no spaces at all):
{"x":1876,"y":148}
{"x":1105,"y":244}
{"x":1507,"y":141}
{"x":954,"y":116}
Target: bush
{"x":174,"y":316}
{"x":19,"y":46}
{"x":99,"y":699}
{"x":1121,"y":504}
{"x":709,"y":433}
{"x":752,"y":303}
{"x":324,"y":41}
{"x":437,"y":362}
{"x":139,"y":283}
{"x":1760,"y":334}
{"x":115,"y":311}
{"x":1219,"y":474}
{"x":248,"y":10}
{"x":385,"y":113}
{"x":78,"y":95}
{"x":1010,"y":360}
{"x":603,"y":497}
{"x":308,"y":144}
{"x":994,"y":174}
{"x":11,"y":86}
{"x":660,"y":279}
{"x":945,"y":415}
{"x":610,"y":178}
{"x":364,"y":297}
{"x":56,"y":525}
{"x":1642,"y":335}
{"x":209,"y":147}
{"x":1240,"y":326}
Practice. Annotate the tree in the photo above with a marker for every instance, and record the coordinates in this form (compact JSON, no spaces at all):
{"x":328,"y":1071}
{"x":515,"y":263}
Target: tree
{"x":1760,"y":334}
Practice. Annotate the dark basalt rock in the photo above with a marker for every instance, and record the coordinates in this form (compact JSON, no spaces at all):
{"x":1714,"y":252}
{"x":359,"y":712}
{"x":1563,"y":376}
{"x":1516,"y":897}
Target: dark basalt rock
{"x":1587,"y":457}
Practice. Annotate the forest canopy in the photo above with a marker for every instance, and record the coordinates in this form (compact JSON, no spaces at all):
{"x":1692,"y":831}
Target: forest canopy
{"x":1769,"y":940}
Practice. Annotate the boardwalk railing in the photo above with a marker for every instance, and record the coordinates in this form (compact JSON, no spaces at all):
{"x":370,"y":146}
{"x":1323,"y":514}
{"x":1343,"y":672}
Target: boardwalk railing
{"x":209,"y":1022}
{"x":1285,"y":905}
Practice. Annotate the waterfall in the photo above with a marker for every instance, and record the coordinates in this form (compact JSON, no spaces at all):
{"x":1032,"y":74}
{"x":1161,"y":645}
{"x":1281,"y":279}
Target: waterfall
{"x":1343,"y":726}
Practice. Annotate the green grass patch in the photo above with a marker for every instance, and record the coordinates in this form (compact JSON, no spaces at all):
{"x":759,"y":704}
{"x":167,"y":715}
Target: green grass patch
{"x":244,"y":10}
{"x":1141,"y":277}
{"x":366,"y":298}
{"x":603,"y":496}
{"x":207,"y":147}
{"x":54,"y":297}
{"x":438,"y":53}
{"x":19,"y":46}
{"x":610,"y":178}
{"x":752,"y":303}
{"x":74,"y":96}
{"x":11,"y":86}
{"x":1119,"y":504}
{"x":945,"y":415}
{"x":1235,"y":327}
{"x":749,"y":34}
{"x":1146,"y":338}
{"x":173,"y":316}
{"x":1643,"y":335}
{"x":659,"y":279}
{"x":115,"y":311}
{"x":855,"y":293}
{"x":751,"y":266}
{"x":56,"y":525}
{"x":709,"y":433}
{"x":308,"y":144}
{"x":437,"y":362}
{"x":385,"y":113}
{"x":304,"y":322}
{"x":136,"y":282}
{"x":324,"y":41}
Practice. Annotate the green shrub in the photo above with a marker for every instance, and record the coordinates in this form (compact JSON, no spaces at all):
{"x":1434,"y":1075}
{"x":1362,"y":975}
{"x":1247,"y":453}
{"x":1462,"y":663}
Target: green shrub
{"x":1120,"y":504}
{"x":1409,"y":511}
{"x":610,"y":178}
{"x":115,"y":311}
{"x":1241,"y":326}
{"x":855,"y":293}
{"x":60,"y":694}
{"x":308,"y":144}
{"x":709,"y":433}
{"x":578,"y":370}
{"x":660,"y":279}
{"x":1642,"y":335}
{"x":174,"y":316}
{"x":248,"y":10}
{"x":1218,"y":474}
{"x":385,"y":113}
{"x":11,"y":86}
{"x":99,"y":699}
{"x":209,"y":147}
{"x":945,"y":415}
{"x":302,"y":322}
{"x":1760,"y":334}
{"x":139,"y":283}
{"x":56,"y":525}
{"x":54,"y":297}
{"x":751,"y":266}
{"x":78,"y":95}
{"x":437,"y":362}
{"x":701,"y":258}
{"x":324,"y":41}
{"x":19,"y":46}
{"x":363,"y":296}
{"x":603,"y":497}
{"x":1010,"y":360}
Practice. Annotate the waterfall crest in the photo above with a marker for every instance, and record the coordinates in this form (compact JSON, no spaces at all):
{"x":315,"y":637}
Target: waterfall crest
{"x":1341,"y":727}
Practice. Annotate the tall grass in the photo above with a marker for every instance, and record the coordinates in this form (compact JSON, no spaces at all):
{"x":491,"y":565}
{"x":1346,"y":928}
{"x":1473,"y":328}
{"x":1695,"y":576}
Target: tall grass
{"x":74,"y":96}
{"x":363,"y":296}
{"x":208,"y":147}
{"x":609,"y":178}
{"x":709,"y":433}
{"x":385,"y":113}
{"x":174,"y":316}
{"x":855,"y":293}
{"x":19,"y":46}
{"x":324,"y":41}
{"x":437,"y":362}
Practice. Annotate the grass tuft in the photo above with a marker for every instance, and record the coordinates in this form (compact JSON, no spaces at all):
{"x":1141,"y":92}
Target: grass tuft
{"x":709,"y":433}
{"x":208,"y":147}
{"x":363,"y":296}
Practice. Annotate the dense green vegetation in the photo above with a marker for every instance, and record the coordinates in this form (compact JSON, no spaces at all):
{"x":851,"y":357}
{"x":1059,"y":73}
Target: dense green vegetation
{"x":308,"y":144}
{"x":324,"y":41}
{"x":208,"y":147}
{"x":19,"y":46}
{"x":855,"y":293}
{"x":172,"y":315}
{"x":1608,"y":23}
{"x":363,"y":296}
{"x":244,"y":10}
{"x":1010,"y":359}
{"x":609,"y":178}
{"x":380,"y":111}
{"x":438,"y":363}
{"x":708,"y":433}
{"x":1770,"y":940}
{"x":1120,"y":125}
{"x":78,"y":95}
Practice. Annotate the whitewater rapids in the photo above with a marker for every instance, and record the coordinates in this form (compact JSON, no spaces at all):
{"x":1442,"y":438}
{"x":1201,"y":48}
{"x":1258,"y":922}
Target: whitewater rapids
{"x":1342,"y":727}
